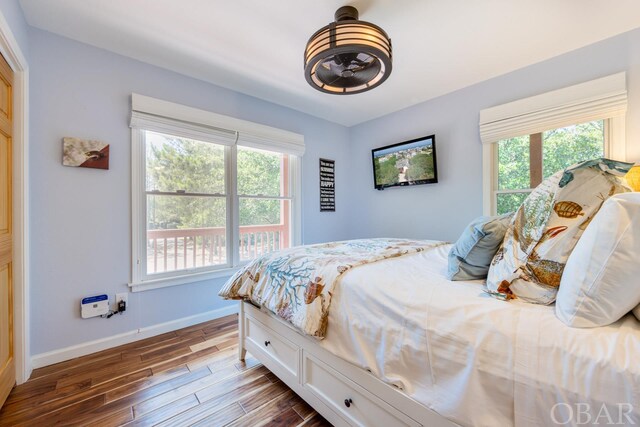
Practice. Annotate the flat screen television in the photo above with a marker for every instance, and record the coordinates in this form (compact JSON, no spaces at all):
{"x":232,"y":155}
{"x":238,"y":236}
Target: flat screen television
{"x":406,"y":163}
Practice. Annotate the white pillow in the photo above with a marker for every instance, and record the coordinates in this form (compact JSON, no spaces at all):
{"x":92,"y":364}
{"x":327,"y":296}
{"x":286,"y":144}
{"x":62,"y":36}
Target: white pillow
{"x":601,"y":281}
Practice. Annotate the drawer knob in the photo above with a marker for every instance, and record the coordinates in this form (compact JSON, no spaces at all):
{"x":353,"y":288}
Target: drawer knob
{"x":348,"y":402}
{"x":266,"y":343}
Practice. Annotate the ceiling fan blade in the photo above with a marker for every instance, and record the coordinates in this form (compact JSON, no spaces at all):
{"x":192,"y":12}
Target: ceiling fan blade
{"x":348,"y":70}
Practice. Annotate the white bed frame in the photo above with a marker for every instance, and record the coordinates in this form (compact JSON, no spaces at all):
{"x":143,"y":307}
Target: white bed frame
{"x":344,"y":394}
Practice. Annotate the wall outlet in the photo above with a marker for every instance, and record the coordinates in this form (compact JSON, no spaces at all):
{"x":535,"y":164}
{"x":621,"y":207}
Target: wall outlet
{"x":122,"y":297}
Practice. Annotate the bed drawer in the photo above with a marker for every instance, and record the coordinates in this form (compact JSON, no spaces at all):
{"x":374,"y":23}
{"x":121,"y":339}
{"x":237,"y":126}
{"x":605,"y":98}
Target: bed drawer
{"x":282,"y":351}
{"x":356,"y":405}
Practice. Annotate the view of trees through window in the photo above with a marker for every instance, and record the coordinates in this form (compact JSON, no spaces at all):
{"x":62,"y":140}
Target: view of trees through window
{"x":187,"y":202}
{"x":560,"y":148}
{"x":181,"y":166}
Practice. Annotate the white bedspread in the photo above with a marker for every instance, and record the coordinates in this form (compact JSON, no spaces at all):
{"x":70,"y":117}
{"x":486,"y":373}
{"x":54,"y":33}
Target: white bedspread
{"x":477,"y":360}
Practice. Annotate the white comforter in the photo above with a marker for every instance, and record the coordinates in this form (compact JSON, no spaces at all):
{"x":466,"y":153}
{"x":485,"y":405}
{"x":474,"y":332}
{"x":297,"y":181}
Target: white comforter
{"x":477,"y":360}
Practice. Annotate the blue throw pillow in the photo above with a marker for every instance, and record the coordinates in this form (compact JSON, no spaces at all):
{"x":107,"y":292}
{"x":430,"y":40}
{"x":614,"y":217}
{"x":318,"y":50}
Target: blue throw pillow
{"x":470,"y":257}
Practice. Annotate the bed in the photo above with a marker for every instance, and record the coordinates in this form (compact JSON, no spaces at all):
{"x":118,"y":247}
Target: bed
{"x":405,"y":346}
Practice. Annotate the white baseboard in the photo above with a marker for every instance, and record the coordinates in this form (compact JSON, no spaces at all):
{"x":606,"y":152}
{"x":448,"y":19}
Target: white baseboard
{"x":67,"y":353}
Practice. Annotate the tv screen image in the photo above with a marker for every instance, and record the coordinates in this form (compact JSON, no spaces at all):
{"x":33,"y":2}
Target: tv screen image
{"x":406,"y":163}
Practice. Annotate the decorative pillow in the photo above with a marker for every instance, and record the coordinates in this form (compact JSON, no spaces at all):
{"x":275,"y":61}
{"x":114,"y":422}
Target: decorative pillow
{"x":470,"y":257}
{"x":601,"y":281}
{"x":547,"y":226}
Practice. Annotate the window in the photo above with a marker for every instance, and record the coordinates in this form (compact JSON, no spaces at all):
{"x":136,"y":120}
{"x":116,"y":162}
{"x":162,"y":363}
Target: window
{"x":206,"y":199}
{"x":186,"y":203}
{"x":528,"y":140}
{"x":264,"y":202}
{"x":524,"y":161}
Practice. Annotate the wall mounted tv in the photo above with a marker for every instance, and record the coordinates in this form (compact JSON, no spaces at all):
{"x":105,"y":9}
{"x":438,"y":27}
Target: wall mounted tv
{"x":406,"y":163}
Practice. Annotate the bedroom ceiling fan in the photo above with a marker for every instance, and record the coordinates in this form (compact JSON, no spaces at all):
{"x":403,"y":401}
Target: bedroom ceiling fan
{"x":347,"y":56}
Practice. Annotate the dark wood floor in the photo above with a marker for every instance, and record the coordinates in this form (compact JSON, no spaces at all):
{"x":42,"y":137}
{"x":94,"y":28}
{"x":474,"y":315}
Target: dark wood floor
{"x":182,"y":378}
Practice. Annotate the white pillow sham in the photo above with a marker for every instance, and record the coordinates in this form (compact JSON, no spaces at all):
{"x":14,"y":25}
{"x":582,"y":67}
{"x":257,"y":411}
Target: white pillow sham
{"x":601,"y":281}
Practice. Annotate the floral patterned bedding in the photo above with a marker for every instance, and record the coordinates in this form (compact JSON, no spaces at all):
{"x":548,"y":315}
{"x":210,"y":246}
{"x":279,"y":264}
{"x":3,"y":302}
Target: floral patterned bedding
{"x":546,"y":228}
{"x":297,"y":283}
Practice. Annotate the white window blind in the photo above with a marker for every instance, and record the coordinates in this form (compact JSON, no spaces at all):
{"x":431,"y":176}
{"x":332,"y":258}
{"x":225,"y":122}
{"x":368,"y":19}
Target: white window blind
{"x":264,"y":140}
{"x":603,"y":98}
{"x":161,"y":116}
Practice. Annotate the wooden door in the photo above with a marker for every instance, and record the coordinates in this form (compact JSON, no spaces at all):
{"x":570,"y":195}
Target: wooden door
{"x":7,"y":364}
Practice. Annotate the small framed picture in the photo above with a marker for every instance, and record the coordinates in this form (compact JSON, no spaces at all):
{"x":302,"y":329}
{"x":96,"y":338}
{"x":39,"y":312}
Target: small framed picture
{"x":85,"y":153}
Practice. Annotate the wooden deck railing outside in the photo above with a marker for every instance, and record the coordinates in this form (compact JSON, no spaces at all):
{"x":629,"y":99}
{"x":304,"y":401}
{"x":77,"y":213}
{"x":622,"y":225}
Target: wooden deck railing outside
{"x":179,"y":249}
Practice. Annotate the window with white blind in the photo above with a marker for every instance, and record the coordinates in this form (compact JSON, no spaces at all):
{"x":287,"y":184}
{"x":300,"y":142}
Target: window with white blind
{"x":528,"y":140}
{"x":209,"y":193}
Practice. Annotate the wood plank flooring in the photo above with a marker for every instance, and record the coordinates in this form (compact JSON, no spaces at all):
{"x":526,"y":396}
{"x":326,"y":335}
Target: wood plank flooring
{"x":189,"y":377}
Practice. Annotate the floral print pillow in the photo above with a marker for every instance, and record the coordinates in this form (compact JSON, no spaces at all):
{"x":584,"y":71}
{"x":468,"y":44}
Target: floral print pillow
{"x":546,"y":228}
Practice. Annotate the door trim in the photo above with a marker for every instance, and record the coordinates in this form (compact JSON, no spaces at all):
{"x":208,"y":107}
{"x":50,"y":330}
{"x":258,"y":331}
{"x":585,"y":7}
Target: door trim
{"x":12,"y":53}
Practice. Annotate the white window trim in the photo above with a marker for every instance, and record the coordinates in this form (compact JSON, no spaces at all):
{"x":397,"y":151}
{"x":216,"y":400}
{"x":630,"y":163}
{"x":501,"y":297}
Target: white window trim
{"x":163,"y":116}
{"x":600,"y":99}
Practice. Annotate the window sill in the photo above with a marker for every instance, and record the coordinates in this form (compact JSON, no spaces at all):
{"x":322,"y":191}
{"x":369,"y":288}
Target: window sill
{"x":165,"y":282}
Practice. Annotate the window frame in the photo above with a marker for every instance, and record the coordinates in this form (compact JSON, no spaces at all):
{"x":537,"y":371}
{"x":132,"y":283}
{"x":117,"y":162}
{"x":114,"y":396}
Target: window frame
{"x":181,"y":121}
{"x":614,"y":147}
{"x":601,"y":99}
{"x":496,"y":162}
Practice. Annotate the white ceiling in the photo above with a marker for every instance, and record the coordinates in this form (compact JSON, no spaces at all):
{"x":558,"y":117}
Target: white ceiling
{"x":256,"y":46}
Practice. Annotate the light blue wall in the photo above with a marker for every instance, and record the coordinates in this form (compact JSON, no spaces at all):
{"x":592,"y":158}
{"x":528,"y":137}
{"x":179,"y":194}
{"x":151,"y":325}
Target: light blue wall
{"x":19,"y":28}
{"x":440,"y":211}
{"x":80,"y":218}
